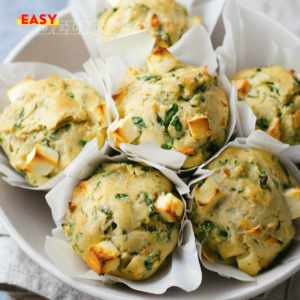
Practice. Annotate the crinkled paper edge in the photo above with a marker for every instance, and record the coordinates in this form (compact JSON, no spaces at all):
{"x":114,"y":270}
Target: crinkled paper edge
{"x":261,"y":141}
{"x":253,"y":39}
{"x":195,"y":51}
{"x":67,"y":260}
{"x":10,"y":75}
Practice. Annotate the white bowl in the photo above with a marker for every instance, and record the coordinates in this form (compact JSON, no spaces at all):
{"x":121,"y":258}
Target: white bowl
{"x":27,"y":217}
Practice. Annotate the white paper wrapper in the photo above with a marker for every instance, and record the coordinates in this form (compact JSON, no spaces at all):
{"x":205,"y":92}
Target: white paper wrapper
{"x":194,"y":48}
{"x":261,"y":141}
{"x":10,"y":75}
{"x":85,"y":12}
{"x":183,"y":271}
{"x":252,"y":39}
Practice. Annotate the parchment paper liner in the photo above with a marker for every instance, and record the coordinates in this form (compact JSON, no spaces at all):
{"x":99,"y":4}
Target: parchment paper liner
{"x":183,"y":271}
{"x":253,"y":39}
{"x":261,"y":141}
{"x":194,"y":48}
{"x":85,"y":12}
{"x":10,"y":75}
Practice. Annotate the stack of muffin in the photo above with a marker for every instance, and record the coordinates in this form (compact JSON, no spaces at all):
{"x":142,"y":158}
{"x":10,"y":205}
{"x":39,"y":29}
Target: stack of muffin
{"x":125,"y":219}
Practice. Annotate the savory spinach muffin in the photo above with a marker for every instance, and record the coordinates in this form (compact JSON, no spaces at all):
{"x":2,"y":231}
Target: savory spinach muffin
{"x":182,"y":107}
{"x":124,"y":221}
{"x":47,"y":125}
{"x":165,"y":20}
{"x":242,"y":214}
{"x":273,"y":93}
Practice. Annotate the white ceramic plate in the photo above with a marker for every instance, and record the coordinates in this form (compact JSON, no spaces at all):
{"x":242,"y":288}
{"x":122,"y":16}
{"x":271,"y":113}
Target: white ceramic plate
{"x":27,"y":218}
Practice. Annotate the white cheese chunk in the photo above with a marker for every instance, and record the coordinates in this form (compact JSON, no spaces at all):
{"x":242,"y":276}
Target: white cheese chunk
{"x":42,"y":160}
{"x":161,"y":61}
{"x":292,"y":198}
{"x":169,"y":207}
{"x":103,"y":257}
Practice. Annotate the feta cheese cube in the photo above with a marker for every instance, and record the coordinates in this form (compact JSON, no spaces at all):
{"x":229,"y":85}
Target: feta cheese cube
{"x":20,"y":89}
{"x":97,"y":114}
{"x":42,"y":160}
{"x":169,"y":208}
{"x":136,"y":267}
{"x":125,"y":132}
{"x":194,"y":21}
{"x":161,"y":61}
{"x":274,"y":130}
{"x":207,"y":196}
{"x":199,"y":126}
{"x":248,"y":262}
{"x":242,"y":86}
{"x":292,"y":198}
{"x":103,"y":257}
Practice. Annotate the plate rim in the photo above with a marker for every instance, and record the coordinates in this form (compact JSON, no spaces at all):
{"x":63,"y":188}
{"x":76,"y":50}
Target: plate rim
{"x":79,"y":285}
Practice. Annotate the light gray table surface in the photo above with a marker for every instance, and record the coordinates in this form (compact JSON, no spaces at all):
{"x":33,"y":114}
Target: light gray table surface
{"x":11,"y":257}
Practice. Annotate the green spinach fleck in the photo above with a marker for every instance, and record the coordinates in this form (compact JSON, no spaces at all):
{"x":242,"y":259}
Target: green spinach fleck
{"x":106,"y":212}
{"x":160,"y":121}
{"x":45,"y":142}
{"x":223,"y":163}
{"x":72,"y":95}
{"x":166,"y":147}
{"x":169,"y":136}
{"x":139,"y":122}
{"x":201,"y":88}
{"x":206,"y":227}
{"x":254,"y":96}
{"x":19,"y":118}
{"x":171,"y":113}
{"x":97,"y":186}
{"x":100,"y":170}
{"x":149,"y":77}
{"x":150,"y":262}
{"x":177,"y":124}
{"x":122,"y":196}
{"x":297,"y":80}
{"x":216,"y":83}
{"x":57,"y":133}
{"x":149,"y":202}
{"x":72,"y":225}
{"x":113,"y":225}
{"x":274,"y":89}
{"x":263,"y":123}
{"x":213,"y":147}
{"x":223,"y":232}
{"x":83,"y":143}
{"x":166,"y":37}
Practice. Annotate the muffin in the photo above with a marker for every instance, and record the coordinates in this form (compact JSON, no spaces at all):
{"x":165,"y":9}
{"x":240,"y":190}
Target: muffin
{"x":47,"y":125}
{"x":124,"y":221}
{"x":182,"y":107}
{"x":273,"y":95}
{"x":165,"y":20}
{"x":242,"y":214}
